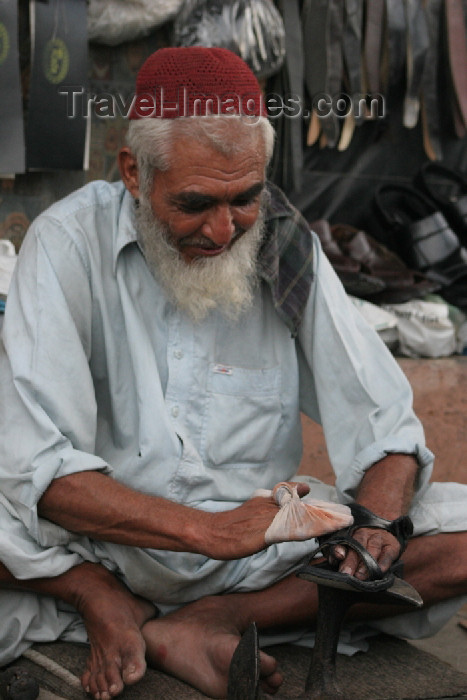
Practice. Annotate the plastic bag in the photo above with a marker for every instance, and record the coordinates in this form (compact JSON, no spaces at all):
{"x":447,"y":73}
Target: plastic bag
{"x":302,"y":518}
{"x":425,"y":329}
{"x":112,"y":22}
{"x":384,"y":322}
{"x":253,"y":29}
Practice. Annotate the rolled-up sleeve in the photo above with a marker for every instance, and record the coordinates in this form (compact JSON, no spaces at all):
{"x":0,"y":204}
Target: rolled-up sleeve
{"x":48,"y":426}
{"x":352,"y":385}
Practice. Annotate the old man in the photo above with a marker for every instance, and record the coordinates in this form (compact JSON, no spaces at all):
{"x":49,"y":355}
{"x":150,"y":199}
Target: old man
{"x":162,"y":336}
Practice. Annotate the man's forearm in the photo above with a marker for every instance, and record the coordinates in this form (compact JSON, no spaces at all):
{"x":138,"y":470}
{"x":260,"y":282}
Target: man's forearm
{"x":93,"y":504}
{"x":387,"y":487}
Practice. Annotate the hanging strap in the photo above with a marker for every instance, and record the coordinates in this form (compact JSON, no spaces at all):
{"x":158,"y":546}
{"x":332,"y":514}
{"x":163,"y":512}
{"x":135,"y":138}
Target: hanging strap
{"x":12,"y":151}
{"x":352,"y":45}
{"x":323,"y":27}
{"x":396,"y":41}
{"x":430,"y":97}
{"x":352,"y":42}
{"x":294,"y":70}
{"x":335,"y":68}
{"x":457,"y":50}
{"x":418,"y":42}
{"x":314,"y":22}
{"x":373,"y":43}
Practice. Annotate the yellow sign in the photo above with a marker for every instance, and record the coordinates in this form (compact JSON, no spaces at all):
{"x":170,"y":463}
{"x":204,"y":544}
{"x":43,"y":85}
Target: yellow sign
{"x":56,"y":61}
{"x":4,"y":43}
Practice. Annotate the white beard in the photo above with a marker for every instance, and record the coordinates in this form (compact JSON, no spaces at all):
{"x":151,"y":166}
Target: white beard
{"x":225,"y":282}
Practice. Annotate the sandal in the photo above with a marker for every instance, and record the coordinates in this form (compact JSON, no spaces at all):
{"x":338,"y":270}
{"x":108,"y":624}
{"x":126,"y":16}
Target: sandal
{"x":448,"y":188}
{"x":395,"y":589}
{"x":17,"y":684}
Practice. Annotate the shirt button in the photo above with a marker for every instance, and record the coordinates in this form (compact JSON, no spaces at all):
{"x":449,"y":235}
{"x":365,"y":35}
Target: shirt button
{"x":175,"y":411}
{"x":178,"y":354}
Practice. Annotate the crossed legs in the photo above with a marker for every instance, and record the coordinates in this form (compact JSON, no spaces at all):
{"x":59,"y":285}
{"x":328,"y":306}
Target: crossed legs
{"x":196,"y":642}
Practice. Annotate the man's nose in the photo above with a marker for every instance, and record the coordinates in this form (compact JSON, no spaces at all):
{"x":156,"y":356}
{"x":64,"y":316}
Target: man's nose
{"x":219,"y":225}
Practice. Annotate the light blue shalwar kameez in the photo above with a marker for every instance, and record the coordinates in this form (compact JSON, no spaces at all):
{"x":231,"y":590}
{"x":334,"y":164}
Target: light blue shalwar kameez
{"x":99,"y":371}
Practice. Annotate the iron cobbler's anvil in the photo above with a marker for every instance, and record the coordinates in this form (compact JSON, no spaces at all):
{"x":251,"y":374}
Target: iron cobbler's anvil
{"x":336,"y":593}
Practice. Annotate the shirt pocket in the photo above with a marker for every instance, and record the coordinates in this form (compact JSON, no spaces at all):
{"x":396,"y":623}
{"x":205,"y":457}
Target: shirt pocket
{"x":242,"y":416}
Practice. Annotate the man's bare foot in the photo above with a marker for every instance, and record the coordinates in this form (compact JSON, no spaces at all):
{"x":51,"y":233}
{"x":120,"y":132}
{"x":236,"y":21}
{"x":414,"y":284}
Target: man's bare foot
{"x":196,"y":644}
{"x":113,"y":618}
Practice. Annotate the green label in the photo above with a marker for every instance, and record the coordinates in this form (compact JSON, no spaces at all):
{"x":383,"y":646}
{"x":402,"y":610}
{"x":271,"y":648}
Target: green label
{"x":56,"y":61}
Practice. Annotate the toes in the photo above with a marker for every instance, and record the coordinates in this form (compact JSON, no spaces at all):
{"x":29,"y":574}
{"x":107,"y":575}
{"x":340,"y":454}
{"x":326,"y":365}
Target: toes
{"x":103,"y":686}
{"x":106,"y":674}
{"x":133,"y":667}
{"x":132,"y":673}
{"x":103,"y":683}
{"x":85,"y":680}
{"x":88,"y":681}
{"x":114,"y":686}
{"x":89,"y":684}
{"x":268,"y":664}
{"x":272,"y":683}
{"x":271,"y":677}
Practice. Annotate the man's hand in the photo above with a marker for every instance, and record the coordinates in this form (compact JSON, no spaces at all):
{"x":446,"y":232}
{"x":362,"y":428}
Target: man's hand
{"x":240,"y":532}
{"x":382,"y":546}
{"x":386,"y":490}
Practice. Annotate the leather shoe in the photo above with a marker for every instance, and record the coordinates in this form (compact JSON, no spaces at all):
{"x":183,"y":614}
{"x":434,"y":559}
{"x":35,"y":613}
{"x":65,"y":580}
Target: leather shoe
{"x":349,"y":271}
{"x":375,"y":259}
{"x":424,"y":239}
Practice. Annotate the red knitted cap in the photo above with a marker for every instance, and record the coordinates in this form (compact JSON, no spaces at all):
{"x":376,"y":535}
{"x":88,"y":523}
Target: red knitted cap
{"x":196,"y":81}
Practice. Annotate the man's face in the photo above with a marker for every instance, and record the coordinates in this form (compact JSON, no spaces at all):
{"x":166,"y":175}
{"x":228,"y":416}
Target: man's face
{"x":202,"y":225}
{"x":207,"y":200}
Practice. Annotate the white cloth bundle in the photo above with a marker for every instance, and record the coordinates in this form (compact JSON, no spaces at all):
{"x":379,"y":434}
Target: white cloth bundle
{"x":424,"y":327}
{"x":302,"y":518}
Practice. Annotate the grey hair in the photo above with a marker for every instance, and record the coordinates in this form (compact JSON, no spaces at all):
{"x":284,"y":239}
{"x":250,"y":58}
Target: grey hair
{"x":150,"y":140}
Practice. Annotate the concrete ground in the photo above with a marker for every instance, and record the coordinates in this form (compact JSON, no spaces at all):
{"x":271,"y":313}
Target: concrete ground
{"x":440,"y":401}
{"x":450,"y":643}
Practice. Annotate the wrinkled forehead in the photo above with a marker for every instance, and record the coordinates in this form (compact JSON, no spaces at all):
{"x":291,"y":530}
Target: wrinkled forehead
{"x":226,"y":135}
{"x":201,"y":169}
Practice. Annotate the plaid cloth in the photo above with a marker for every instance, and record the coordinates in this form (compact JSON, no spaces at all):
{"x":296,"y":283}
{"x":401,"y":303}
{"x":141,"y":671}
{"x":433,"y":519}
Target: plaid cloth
{"x":286,"y":258}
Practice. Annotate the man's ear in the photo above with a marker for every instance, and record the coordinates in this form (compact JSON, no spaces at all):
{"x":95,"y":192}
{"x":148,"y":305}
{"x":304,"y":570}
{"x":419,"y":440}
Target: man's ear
{"x":129,"y":171}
